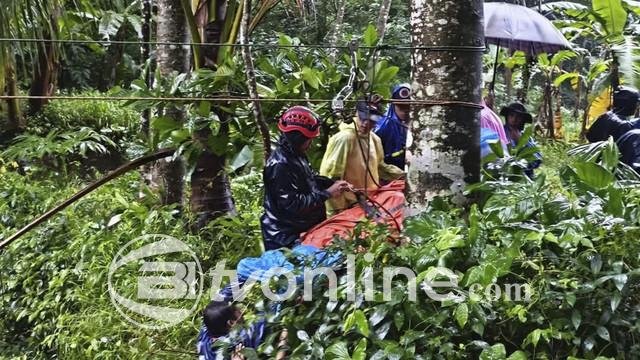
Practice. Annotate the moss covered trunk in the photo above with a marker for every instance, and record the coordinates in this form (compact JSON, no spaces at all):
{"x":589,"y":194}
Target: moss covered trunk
{"x":168,"y":175}
{"x":445,"y":150}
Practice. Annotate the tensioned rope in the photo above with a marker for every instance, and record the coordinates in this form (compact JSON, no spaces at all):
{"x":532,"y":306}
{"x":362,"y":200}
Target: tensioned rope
{"x":230,"y":99}
{"x":463,"y":48}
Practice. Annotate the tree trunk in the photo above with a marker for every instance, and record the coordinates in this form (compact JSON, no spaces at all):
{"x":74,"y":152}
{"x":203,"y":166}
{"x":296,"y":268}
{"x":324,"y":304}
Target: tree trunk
{"x":336,"y":32}
{"x":585,"y":116}
{"x":44,"y":75}
{"x":445,"y":148}
{"x":16,"y":121}
{"x":168,"y":175}
{"x":210,"y":188}
{"x":508,"y":79}
{"x":526,"y":78}
{"x":576,"y":109}
{"x":145,"y":52}
{"x":383,"y":15}
{"x":549,"y":110}
{"x":251,"y":80}
{"x":113,"y":58}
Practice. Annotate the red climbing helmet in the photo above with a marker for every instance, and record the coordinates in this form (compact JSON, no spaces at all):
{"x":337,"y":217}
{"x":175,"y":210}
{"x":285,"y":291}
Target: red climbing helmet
{"x":300,"y":118}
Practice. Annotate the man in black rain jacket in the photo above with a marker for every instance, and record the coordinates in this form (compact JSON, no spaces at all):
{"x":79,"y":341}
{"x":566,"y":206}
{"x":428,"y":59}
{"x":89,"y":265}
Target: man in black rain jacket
{"x":294,"y":195}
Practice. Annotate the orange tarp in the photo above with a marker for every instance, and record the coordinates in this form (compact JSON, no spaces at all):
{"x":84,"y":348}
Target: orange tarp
{"x":389,"y":197}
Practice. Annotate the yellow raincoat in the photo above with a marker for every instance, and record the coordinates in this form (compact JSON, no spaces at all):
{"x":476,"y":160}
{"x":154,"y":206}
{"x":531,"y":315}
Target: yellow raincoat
{"x":345,"y":160}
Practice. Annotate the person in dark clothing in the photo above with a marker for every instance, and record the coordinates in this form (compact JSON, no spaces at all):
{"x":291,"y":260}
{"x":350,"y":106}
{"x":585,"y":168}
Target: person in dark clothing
{"x":294,"y":195}
{"x":393,"y":127}
{"x":614,"y":123}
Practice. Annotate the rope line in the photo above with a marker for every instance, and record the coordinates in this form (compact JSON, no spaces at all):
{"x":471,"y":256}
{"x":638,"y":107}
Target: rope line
{"x":463,"y":48}
{"x":230,"y":99}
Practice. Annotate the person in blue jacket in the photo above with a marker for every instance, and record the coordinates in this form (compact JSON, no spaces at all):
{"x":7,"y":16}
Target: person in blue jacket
{"x":216,"y":342}
{"x":393,"y":127}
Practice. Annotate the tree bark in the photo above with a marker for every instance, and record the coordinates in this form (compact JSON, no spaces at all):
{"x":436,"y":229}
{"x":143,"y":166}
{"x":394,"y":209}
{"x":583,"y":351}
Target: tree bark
{"x":168,"y":176}
{"x":383,"y":15}
{"x":16,"y":122}
{"x":210,"y":188}
{"x":336,"y":32}
{"x":526,"y":79}
{"x":445,"y":147}
{"x":45,"y":74}
{"x":113,"y":58}
{"x":145,"y":52}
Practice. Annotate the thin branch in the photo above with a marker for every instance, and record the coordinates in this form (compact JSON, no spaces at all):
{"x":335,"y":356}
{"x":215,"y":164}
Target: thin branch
{"x":251,"y":79}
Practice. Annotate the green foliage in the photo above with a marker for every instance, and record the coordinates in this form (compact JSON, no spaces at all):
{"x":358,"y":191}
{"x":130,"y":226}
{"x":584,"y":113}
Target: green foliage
{"x":576,"y":253}
{"x":53,"y":288}
{"x":67,"y":134}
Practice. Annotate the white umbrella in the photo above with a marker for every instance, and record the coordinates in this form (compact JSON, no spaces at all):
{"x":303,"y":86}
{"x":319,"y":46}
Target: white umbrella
{"x":519,"y":28}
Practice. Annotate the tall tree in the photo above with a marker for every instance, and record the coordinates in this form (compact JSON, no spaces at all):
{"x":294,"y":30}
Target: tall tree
{"x":445,"y":148}
{"x":219,"y":22}
{"x":383,"y":15}
{"x":168,"y":175}
{"x":336,"y":32}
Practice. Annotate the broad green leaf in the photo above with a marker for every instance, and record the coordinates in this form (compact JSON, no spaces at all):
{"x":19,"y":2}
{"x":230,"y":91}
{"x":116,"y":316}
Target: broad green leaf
{"x":576,"y":319}
{"x":612,"y":15}
{"x":593,"y":175}
{"x":361,"y":322}
{"x":360,"y":351}
{"x":495,"y":352}
{"x":310,"y":77}
{"x":398,"y":319}
{"x":338,"y":351}
{"x":610,"y":155}
{"x":448,"y":239}
{"x":163,"y":123}
{"x":603,"y":333}
{"x":243,"y":158}
{"x":564,"y":77}
{"x":615,"y":301}
{"x":462,"y":314}
{"x":302,"y":335}
{"x":518,"y":355}
{"x":204,"y":108}
{"x":370,"y":36}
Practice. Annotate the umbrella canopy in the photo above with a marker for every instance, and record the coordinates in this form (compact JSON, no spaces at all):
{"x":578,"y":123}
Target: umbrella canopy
{"x":519,"y":28}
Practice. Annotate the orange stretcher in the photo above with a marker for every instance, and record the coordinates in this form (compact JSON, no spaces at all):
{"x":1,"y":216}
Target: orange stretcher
{"x":386,"y":202}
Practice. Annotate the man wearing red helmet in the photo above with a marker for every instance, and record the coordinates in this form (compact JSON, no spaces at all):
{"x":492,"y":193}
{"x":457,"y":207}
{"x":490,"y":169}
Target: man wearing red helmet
{"x":294,"y":195}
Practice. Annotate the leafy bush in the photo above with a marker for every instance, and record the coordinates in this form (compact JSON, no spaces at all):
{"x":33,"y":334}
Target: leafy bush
{"x":89,"y":133}
{"x":577,"y":252}
{"x":53,"y":288}
{"x":94,"y":114}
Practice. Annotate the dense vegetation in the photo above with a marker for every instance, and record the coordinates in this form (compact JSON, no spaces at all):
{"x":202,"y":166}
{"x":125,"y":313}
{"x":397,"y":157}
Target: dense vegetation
{"x":570,"y":234}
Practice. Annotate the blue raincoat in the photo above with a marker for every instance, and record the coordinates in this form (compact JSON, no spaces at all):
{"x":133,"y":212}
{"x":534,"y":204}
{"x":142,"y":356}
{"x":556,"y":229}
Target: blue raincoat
{"x":393,"y":133}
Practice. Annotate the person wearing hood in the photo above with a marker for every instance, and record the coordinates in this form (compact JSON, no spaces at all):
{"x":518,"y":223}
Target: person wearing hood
{"x":294,"y":196}
{"x":356,"y":154}
{"x":516,"y":116}
{"x":393,"y":127}
{"x":615,"y":123}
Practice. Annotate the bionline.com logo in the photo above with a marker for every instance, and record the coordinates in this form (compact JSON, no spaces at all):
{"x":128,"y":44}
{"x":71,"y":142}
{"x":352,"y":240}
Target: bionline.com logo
{"x":156,"y":281}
